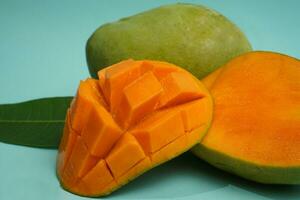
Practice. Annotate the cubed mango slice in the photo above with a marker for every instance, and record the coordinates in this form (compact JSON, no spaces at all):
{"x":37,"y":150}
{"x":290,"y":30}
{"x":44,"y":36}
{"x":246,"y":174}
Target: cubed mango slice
{"x":97,"y":179}
{"x":179,"y":87}
{"x":87,"y":97}
{"x":140,"y":98}
{"x":100,"y":132}
{"x":138,"y":115}
{"x":159,"y":129}
{"x":119,"y":160}
{"x":66,"y":145}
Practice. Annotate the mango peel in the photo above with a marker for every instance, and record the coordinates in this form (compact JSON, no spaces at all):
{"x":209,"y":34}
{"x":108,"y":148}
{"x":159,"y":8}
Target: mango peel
{"x":191,"y":36}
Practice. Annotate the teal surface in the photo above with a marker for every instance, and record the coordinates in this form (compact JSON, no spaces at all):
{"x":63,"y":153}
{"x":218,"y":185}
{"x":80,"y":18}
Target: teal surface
{"x":42,"y":53}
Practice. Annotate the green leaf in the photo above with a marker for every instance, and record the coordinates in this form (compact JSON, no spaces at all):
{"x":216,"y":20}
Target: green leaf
{"x":35,"y":123}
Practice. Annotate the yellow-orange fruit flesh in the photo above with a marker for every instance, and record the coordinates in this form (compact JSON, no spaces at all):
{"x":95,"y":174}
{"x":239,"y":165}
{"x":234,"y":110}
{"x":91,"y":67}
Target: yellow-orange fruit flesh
{"x":255,"y":131}
{"x":138,"y":115}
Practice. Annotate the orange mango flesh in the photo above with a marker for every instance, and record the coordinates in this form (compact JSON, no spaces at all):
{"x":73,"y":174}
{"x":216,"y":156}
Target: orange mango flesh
{"x":80,"y":161}
{"x":140,"y":98}
{"x":100,"y":131}
{"x":87,"y":96}
{"x":179,"y":88}
{"x":66,"y":145}
{"x":149,"y":132}
{"x":257,"y":110}
{"x":209,"y":80}
{"x":97,"y":179}
{"x":137,"y":115}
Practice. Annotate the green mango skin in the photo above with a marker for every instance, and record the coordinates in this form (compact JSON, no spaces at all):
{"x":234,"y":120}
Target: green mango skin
{"x":191,"y":36}
{"x":251,"y":171}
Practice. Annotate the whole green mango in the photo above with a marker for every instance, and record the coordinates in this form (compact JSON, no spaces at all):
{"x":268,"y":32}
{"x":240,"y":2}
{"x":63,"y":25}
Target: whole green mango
{"x":191,"y":36}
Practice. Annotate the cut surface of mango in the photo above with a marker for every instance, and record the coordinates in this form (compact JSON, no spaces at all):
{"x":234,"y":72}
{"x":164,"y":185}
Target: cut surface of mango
{"x":138,"y":115}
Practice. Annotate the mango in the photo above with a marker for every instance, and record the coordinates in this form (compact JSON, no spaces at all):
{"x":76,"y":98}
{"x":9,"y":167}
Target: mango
{"x":138,"y":115}
{"x":191,"y":36}
{"x":255,"y":129}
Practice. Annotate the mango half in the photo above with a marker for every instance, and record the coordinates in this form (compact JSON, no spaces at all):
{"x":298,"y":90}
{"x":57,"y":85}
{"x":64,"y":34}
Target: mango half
{"x":138,"y":115}
{"x":191,"y":36}
{"x":255,"y":131}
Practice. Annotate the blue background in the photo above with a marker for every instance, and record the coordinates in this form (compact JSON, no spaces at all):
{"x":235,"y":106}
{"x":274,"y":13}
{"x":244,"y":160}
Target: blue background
{"x":42,"y":53}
